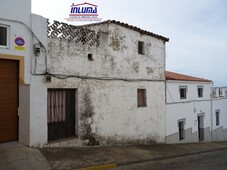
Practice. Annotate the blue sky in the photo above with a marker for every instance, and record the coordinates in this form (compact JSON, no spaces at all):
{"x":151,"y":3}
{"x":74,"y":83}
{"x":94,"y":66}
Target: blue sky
{"x":197,"y":29}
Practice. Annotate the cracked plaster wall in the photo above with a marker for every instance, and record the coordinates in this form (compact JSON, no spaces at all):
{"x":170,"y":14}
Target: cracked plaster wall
{"x":107,"y":111}
{"x":116,"y":56}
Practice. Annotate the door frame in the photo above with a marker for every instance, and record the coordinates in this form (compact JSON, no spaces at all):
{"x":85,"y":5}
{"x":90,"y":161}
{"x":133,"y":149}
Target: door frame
{"x":200,"y":119}
{"x":68,"y":110}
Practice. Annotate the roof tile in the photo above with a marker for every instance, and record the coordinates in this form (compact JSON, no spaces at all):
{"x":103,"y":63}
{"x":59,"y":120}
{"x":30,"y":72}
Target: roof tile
{"x":181,"y":77}
{"x":141,"y":31}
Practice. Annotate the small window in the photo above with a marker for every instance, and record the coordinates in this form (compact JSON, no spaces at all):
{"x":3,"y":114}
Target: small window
{"x":220,"y":92}
{"x":140,"y":47}
{"x":200,"y":91}
{"x":90,"y":57}
{"x":183,"y":92}
{"x":214,"y":92}
{"x":3,"y":36}
{"x":141,"y":98}
{"x":181,"y":130}
{"x":217,"y":113}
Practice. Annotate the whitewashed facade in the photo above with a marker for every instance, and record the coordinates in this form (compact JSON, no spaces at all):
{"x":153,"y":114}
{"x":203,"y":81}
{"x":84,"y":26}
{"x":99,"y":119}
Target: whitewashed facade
{"x":21,"y":23}
{"x":105,"y":68}
{"x":192,"y":118}
{"x":106,"y":85}
{"x":219,"y":116}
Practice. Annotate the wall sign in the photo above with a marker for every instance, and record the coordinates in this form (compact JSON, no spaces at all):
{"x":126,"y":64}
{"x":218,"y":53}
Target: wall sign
{"x":19,"y":43}
{"x":83,"y":12}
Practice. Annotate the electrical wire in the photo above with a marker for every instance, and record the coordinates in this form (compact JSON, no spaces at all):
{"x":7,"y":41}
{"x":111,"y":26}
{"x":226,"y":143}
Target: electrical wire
{"x":60,"y":76}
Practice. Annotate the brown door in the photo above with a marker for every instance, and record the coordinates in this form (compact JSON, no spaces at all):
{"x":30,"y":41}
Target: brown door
{"x":8,"y":100}
{"x":61,"y":113}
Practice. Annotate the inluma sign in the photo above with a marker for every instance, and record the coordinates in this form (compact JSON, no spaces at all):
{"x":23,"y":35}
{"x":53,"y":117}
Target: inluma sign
{"x":83,"y":10}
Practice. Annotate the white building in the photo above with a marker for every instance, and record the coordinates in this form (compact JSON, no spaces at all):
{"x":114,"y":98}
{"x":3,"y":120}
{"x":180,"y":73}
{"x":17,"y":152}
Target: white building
{"x":16,"y":31}
{"x":192,"y":114}
{"x":219,"y":115}
{"x":101,"y":84}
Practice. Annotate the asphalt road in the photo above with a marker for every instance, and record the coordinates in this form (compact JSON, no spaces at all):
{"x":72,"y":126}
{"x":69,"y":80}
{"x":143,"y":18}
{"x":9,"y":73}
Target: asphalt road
{"x":216,"y":160}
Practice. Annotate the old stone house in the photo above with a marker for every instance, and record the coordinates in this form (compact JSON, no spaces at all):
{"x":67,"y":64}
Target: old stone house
{"x":98,"y":84}
{"x":111,"y":76}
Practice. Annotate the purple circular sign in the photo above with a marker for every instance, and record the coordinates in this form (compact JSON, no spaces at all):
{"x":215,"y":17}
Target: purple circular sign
{"x":19,"y":41}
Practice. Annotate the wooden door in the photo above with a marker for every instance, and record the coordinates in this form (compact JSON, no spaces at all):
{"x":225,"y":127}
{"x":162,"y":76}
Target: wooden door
{"x":9,"y":73}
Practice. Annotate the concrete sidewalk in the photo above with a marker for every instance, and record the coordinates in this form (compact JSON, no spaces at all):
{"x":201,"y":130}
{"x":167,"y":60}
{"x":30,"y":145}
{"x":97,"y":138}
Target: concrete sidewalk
{"x":106,"y":157}
{"x":14,"y":156}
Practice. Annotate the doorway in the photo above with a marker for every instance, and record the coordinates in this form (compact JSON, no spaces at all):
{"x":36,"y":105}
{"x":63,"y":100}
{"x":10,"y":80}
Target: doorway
{"x":61,"y":113}
{"x":9,"y":84}
{"x":201,"y":127}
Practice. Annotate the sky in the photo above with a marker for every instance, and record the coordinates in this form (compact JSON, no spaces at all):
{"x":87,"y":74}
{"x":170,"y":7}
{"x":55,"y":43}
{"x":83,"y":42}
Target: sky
{"x":197,"y":29}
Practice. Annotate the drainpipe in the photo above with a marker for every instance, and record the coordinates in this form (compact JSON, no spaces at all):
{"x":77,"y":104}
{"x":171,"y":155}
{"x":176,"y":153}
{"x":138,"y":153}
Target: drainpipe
{"x":165,"y":108}
{"x":212,"y":111}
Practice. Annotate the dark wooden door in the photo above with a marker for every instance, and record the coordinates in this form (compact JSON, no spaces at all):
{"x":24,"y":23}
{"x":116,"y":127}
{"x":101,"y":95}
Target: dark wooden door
{"x":8,"y":100}
{"x":200,"y":128}
{"x":63,"y":129}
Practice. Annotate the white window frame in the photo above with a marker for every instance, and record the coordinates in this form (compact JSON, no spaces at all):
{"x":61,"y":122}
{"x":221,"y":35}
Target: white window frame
{"x":200,"y":87}
{"x":7,"y":36}
{"x":186,"y":91}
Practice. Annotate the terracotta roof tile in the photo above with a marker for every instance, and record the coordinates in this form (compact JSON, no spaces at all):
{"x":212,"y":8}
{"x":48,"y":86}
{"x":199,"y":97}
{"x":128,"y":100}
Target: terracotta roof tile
{"x":141,"y":31}
{"x":181,"y":77}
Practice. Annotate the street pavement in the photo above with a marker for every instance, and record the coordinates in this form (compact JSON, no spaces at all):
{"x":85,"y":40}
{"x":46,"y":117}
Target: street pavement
{"x":15,"y":156}
{"x":74,"y":157}
{"x":216,"y":160}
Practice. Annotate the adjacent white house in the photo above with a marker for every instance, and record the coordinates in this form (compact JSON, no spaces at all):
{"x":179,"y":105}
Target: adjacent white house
{"x":15,"y":70}
{"x":219,"y":116}
{"x":192,"y":114}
